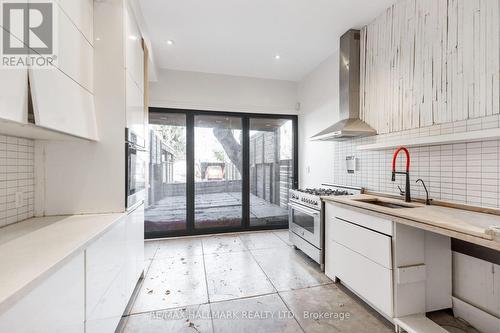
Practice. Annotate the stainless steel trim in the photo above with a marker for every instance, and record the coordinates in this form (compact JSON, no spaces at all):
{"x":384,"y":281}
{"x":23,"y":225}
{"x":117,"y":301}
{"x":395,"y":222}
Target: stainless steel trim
{"x":354,"y":188}
{"x":304,"y":210}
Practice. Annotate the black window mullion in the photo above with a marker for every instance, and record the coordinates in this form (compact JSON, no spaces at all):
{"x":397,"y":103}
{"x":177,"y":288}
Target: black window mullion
{"x":295,"y":153}
{"x":190,"y":179}
{"x":245,"y":198}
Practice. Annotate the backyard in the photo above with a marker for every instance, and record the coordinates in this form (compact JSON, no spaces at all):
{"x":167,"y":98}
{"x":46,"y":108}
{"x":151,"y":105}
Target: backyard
{"x":217,"y":169}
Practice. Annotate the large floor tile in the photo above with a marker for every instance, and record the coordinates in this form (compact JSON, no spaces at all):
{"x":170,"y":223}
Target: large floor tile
{"x":179,"y":248}
{"x":261,"y":240}
{"x":172,"y":283}
{"x":222,"y":244}
{"x":284,"y":235}
{"x":289,"y":269}
{"x":341,"y":313}
{"x":264,"y":314}
{"x":235,"y":275}
{"x":182,"y":320}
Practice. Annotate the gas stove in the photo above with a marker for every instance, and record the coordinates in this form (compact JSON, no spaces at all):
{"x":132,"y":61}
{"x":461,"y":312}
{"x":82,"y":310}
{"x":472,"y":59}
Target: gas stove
{"x":310,"y":197}
{"x":306,"y":217}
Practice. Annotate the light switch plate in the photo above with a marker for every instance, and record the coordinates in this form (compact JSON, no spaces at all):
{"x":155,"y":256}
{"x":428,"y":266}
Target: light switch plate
{"x":350,"y":162}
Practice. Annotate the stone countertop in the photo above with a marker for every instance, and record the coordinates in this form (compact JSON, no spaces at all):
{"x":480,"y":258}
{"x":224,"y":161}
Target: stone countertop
{"x":471,"y":226}
{"x":33,"y":249}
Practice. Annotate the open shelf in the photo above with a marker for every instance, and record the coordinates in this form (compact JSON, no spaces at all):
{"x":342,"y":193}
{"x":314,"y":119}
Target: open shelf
{"x":473,"y":136}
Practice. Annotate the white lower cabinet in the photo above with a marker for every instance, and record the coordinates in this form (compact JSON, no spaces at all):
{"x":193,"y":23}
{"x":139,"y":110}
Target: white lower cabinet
{"x":56,"y":305}
{"x":399,"y":270}
{"x":105,"y":279}
{"x":89,"y":293}
{"x":369,"y":280}
{"x":361,"y":258}
{"x":114,"y":264}
{"x":135,"y":246}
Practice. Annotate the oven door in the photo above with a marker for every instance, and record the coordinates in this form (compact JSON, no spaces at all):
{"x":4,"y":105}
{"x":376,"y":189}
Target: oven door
{"x":306,"y":223}
{"x":136,"y":174}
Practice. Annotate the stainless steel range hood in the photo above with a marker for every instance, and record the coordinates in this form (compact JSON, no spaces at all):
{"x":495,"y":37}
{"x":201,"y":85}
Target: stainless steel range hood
{"x":349,"y":126}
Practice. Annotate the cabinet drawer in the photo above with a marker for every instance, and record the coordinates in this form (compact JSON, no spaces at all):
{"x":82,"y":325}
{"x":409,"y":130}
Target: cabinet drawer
{"x":368,"y":221}
{"x":371,"y":244}
{"x":368,"y":279}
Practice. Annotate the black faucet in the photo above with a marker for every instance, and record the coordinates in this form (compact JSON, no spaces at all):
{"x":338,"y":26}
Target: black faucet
{"x":407,"y":173}
{"x":427,"y":200}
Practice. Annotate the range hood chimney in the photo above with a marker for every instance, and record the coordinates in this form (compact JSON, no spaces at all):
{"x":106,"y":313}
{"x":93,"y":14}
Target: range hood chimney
{"x":349,"y":126}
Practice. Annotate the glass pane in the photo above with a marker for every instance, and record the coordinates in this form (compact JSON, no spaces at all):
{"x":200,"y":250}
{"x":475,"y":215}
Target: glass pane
{"x":166,"y":208}
{"x":271,"y":170}
{"x":303,"y":220}
{"x":218,"y":168}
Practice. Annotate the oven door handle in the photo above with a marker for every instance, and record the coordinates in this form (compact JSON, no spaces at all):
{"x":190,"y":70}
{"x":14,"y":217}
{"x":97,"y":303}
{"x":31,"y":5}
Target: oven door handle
{"x":304,"y":210}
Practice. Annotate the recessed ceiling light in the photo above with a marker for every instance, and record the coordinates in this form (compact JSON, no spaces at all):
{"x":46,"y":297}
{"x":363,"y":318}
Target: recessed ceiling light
{"x":132,"y":37}
{"x":170,"y":42}
{"x":277,"y":57}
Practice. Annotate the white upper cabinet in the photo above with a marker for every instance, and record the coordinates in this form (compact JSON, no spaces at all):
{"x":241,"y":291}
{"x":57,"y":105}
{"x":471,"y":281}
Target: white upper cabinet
{"x":134,"y":53}
{"x":61,"y":104}
{"x":14,"y":95}
{"x":74,"y":51}
{"x":134,"y":62}
{"x":63,"y":97}
{"x":136,"y":116}
{"x":81,"y":13}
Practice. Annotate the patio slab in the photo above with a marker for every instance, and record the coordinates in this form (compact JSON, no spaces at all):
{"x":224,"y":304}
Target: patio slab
{"x":211,"y":210}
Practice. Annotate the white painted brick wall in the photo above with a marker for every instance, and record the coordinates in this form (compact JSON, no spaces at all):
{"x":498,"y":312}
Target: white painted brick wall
{"x":16,"y":175}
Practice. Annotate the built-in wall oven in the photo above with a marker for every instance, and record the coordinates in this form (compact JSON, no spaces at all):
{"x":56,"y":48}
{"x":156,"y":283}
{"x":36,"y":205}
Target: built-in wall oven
{"x":135,"y":168}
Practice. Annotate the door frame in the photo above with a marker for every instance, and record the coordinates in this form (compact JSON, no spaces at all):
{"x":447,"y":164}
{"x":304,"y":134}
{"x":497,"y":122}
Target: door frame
{"x":190,"y":176}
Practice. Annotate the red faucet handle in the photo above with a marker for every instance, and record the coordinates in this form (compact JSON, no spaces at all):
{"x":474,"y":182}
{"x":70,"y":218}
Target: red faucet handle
{"x":394,"y":158}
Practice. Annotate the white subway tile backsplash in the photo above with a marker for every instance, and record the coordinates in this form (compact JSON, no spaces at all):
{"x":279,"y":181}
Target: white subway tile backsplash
{"x":16,"y":175}
{"x":463,"y":173}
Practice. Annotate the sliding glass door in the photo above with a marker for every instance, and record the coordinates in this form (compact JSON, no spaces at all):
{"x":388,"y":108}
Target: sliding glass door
{"x":216,"y":172}
{"x":218,"y":168}
{"x":271,"y":170}
{"x":167,"y":190}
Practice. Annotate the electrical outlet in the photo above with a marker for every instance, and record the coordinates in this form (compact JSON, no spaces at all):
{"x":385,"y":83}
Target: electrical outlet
{"x":19,"y":199}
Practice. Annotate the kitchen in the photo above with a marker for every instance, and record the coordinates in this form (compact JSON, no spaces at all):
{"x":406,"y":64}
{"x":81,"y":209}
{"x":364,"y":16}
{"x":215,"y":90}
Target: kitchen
{"x":272,"y":166}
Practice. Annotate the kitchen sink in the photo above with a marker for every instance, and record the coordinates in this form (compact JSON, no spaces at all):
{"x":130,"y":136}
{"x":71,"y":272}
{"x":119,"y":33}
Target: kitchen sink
{"x":384,"y":203}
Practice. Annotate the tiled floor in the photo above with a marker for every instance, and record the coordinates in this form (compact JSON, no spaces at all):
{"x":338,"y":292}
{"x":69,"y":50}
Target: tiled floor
{"x":246,"y":282}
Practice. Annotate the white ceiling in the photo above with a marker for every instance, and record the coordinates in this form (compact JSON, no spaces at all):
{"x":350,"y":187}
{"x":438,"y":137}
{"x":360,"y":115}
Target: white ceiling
{"x":241,"y":37}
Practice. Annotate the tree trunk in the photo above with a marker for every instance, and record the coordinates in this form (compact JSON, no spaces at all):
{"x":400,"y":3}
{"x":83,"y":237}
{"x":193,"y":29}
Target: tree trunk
{"x":231,"y":146}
